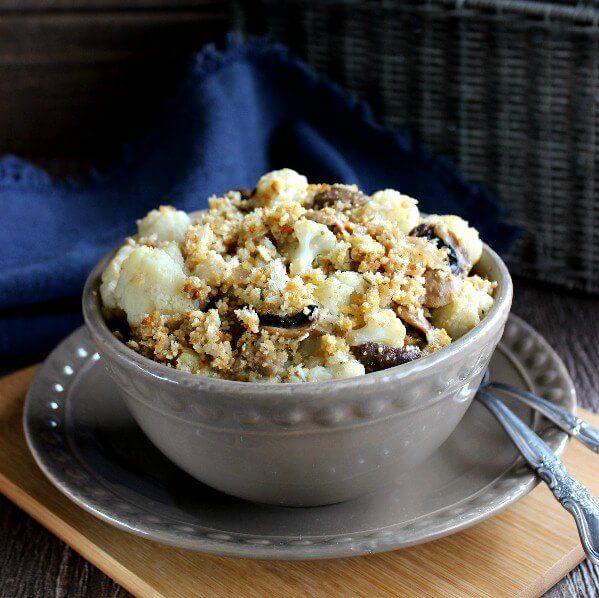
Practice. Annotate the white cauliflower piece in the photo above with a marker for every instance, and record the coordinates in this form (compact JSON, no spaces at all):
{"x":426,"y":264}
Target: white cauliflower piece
{"x":150,"y":279}
{"x":392,"y":205}
{"x":281,"y":185}
{"x":343,"y":365}
{"x":330,"y":294}
{"x":212,"y":269}
{"x":165,"y":224}
{"x":203,"y":258}
{"x":110,"y":276}
{"x":467,"y":235}
{"x":347,"y":367}
{"x":382,"y":327}
{"x":353,"y":280}
{"x":316,"y":373}
{"x":335,"y":291}
{"x":467,"y":310}
{"x":312,"y":240}
{"x":174,"y":252}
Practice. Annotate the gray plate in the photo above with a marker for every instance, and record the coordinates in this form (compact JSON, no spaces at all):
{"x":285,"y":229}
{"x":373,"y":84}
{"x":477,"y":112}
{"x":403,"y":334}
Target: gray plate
{"x":84,"y":440}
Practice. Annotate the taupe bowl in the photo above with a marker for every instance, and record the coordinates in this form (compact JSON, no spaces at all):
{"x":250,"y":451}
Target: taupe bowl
{"x":303,"y":444}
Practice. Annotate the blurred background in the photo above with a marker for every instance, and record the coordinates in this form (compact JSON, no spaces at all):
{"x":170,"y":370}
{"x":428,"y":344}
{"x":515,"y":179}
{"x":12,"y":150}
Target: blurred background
{"x":507,"y":89}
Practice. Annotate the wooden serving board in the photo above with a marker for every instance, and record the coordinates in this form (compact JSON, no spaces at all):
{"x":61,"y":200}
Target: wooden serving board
{"x":523,"y":551}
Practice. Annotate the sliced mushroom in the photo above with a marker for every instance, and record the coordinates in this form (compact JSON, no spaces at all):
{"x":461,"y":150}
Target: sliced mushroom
{"x":342,"y":193}
{"x":415,"y":319}
{"x":441,"y":236}
{"x":441,"y":288}
{"x":375,"y":357}
{"x":290,"y":326}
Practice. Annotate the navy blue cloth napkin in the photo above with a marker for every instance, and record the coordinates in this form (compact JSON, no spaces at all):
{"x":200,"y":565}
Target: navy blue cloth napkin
{"x":242,"y":111}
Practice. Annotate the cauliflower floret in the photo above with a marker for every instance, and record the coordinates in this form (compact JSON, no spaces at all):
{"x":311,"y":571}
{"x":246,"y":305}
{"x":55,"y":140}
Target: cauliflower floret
{"x":331,"y":294}
{"x":342,"y":365}
{"x":202,"y":258}
{"x":150,"y":279}
{"x":110,"y":276}
{"x":467,"y":235}
{"x":281,"y":185}
{"x":174,"y":251}
{"x":467,"y":310}
{"x":345,"y":367}
{"x":392,"y":205}
{"x":313,"y":239}
{"x":336,"y":290}
{"x":212,"y":269}
{"x":382,"y":327}
{"x":165,"y":224}
{"x":317,"y":373}
{"x":354,"y":280}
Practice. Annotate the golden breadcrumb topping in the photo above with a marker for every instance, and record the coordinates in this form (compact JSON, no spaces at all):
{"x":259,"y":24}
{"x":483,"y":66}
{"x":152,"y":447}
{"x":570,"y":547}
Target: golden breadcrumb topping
{"x":295,"y":282}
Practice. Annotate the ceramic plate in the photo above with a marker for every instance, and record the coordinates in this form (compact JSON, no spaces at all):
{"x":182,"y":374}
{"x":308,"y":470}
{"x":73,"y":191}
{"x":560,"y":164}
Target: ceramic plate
{"x":85,"y":441}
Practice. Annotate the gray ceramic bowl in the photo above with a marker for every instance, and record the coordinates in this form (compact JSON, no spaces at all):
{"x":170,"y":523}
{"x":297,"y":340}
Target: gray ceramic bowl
{"x":303,"y":444}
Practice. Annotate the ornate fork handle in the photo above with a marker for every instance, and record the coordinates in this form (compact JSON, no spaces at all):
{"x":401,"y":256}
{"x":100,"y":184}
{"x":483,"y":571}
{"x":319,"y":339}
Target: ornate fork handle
{"x":579,"y":501}
{"x":573,"y":425}
{"x":569,"y":492}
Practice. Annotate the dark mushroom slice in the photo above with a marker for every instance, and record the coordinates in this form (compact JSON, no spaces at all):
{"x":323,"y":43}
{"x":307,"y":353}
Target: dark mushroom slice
{"x":441,"y":236}
{"x":440,"y":288}
{"x":375,"y":357}
{"x":290,"y":326}
{"x":341,"y":193}
{"x":416,"y":319}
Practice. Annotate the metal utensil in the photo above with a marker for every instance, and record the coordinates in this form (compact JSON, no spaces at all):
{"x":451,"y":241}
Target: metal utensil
{"x":571,"y":424}
{"x":571,"y":494}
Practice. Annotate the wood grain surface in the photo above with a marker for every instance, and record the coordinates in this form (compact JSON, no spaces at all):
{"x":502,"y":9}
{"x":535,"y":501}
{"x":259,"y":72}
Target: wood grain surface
{"x":52,"y":569}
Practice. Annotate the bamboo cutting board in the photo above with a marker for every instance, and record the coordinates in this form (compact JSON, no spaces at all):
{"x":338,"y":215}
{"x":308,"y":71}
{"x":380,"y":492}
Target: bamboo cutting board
{"x":523,"y":551}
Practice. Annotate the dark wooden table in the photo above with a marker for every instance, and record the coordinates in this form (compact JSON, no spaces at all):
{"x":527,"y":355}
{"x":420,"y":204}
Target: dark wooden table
{"x":33,"y":562}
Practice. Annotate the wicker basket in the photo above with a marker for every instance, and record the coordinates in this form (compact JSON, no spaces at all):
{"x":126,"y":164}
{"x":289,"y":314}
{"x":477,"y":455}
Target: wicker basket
{"x":508,"y":89}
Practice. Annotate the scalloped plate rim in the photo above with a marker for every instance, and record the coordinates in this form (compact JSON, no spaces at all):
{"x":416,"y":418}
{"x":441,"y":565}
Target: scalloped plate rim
{"x":248,"y":546}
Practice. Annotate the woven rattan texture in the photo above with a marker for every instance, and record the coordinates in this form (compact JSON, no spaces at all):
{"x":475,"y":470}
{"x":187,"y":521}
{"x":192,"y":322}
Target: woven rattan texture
{"x":509,"y":90}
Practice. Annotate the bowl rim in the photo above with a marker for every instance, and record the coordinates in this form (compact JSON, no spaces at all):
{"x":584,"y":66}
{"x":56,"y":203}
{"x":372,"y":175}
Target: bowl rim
{"x":115,"y":349}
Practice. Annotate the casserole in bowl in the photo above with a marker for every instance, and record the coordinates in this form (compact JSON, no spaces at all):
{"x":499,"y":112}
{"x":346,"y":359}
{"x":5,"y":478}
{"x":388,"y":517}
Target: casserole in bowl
{"x":310,"y":443}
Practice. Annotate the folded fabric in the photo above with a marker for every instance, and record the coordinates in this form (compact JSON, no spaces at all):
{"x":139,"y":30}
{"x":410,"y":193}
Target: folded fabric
{"x":242,"y":111}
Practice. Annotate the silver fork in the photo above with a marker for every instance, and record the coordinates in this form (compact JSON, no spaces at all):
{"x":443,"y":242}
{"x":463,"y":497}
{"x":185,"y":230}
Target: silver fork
{"x":571,"y":424}
{"x":571,"y":494}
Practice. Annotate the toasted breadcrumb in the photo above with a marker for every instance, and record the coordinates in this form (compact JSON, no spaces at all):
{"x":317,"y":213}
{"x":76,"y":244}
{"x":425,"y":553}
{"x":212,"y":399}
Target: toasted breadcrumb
{"x":219,"y":289}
